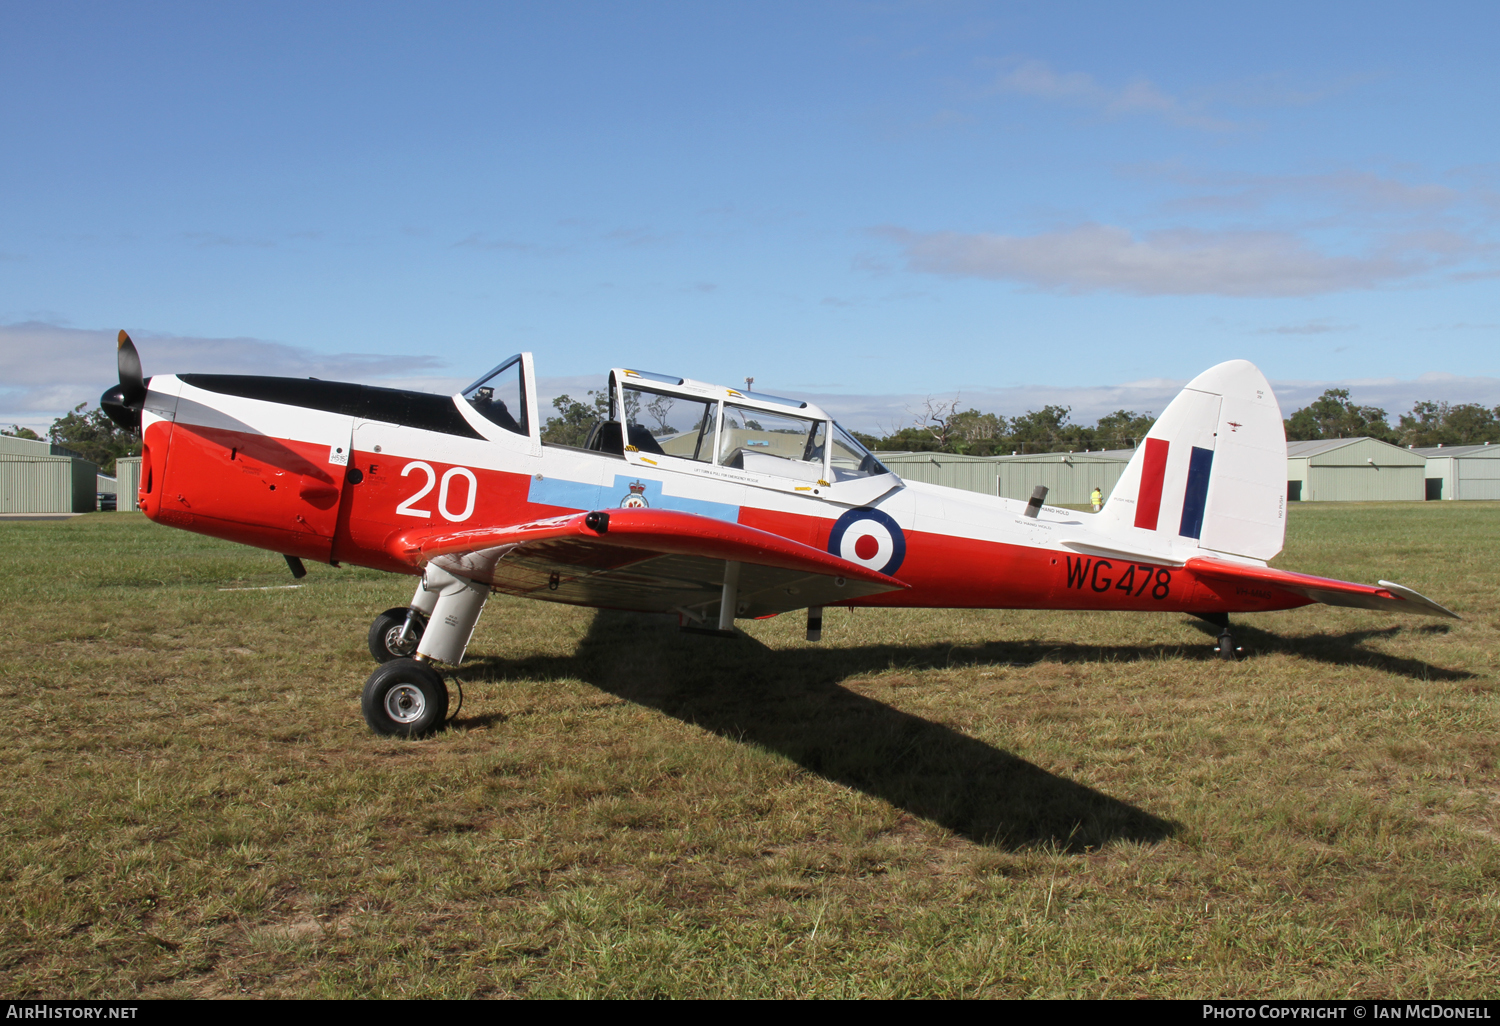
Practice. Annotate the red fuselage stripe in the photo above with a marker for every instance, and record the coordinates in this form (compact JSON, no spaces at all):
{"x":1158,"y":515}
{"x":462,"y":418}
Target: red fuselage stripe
{"x":1153,"y":471}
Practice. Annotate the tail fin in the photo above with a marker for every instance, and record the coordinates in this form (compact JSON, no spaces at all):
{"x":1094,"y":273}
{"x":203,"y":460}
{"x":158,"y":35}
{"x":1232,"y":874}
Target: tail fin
{"x":1210,"y":475}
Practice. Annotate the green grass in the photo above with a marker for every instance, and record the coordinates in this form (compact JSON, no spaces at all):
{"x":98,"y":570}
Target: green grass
{"x":930,"y":803}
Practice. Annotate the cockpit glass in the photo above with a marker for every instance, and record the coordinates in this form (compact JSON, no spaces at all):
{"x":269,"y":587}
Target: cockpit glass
{"x":772,"y":443}
{"x":850,"y":460}
{"x":671,"y":425}
{"x":500,"y":396}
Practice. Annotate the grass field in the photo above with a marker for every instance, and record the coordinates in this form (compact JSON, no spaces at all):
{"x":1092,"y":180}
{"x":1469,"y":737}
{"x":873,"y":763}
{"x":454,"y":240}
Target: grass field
{"x":928,"y":804}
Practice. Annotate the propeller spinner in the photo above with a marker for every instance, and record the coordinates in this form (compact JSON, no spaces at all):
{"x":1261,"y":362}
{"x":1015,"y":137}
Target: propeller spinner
{"x":123,"y":402}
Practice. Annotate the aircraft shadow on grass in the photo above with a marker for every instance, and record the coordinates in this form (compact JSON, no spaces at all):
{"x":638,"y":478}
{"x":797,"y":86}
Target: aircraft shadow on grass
{"x":1342,"y":649}
{"x":791,"y":702}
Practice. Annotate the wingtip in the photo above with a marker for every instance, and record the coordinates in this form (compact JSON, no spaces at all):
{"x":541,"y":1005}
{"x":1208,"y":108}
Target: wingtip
{"x":1424,"y":603}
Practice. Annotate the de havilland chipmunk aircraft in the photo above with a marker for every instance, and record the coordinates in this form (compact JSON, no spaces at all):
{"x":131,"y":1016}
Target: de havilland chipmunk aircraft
{"x":708,"y":502}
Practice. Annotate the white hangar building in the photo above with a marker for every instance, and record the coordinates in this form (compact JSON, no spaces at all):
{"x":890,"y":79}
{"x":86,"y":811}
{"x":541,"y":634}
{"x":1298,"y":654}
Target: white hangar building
{"x":1354,"y":470}
{"x":1462,"y":471}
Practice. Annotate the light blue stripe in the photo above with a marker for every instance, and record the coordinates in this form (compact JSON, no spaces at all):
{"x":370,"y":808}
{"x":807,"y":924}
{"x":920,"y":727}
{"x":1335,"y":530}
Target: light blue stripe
{"x":568,"y":494}
{"x":577,"y":495}
{"x":716,"y":510}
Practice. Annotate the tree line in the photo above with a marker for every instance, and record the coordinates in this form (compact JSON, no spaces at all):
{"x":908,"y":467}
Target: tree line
{"x":1335,"y":415}
{"x":943,"y":427}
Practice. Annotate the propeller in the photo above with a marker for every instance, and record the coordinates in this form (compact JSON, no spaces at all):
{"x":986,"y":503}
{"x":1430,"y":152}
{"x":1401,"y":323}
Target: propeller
{"x":123,"y":402}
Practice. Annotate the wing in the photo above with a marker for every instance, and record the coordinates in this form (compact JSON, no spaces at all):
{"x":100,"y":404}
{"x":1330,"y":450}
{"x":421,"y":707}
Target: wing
{"x":644,"y":559}
{"x":1388,"y":597}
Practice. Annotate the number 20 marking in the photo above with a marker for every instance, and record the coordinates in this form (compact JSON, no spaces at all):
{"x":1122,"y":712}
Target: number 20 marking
{"x":406,"y":509}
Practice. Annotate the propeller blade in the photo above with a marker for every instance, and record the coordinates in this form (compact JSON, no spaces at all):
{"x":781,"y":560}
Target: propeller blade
{"x":123,"y":402}
{"x":131,"y":379}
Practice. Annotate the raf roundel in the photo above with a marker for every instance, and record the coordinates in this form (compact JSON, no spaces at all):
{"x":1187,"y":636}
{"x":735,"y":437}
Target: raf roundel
{"x":870,"y":538}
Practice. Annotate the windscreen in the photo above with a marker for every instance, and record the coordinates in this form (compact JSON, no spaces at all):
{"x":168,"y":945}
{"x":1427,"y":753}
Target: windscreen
{"x":850,"y":460}
{"x":500,"y":396}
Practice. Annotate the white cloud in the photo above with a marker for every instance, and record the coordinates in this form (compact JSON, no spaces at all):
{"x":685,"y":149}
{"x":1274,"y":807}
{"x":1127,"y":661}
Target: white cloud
{"x":1307,"y":328}
{"x":1364,"y":192}
{"x":1179,"y":262}
{"x":1394,"y":395}
{"x":46,"y":370}
{"x":1037,"y":79}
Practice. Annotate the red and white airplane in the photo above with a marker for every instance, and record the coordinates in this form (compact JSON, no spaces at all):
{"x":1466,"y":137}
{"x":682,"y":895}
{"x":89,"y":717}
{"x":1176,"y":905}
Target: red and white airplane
{"x":708,"y":502}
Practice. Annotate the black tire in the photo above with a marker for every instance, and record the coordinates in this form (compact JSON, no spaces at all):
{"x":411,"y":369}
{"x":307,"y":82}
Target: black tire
{"x":405,"y":698}
{"x":1227,"y":647}
{"x":386,"y":631}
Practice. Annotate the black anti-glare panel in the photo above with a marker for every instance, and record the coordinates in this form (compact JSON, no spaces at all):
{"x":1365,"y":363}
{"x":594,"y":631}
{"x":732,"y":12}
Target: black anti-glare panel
{"x":390,"y":405}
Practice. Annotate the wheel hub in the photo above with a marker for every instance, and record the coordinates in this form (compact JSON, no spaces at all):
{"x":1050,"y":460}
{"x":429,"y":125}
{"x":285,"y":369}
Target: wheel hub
{"x":394,"y":643}
{"x":405,"y":703}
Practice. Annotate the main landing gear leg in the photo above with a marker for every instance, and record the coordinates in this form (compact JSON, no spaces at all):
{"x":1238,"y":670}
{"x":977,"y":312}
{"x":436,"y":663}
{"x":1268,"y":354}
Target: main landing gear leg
{"x":1227,"y":645}
{"x":729,"y":598}
{"x":729,"y":606}
{"x":814,"y":623}
{"x":406,"y":696}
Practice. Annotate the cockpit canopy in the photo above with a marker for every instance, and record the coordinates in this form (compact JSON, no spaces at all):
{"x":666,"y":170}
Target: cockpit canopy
{"x":694,"y":422}
{"x":726,"y":427}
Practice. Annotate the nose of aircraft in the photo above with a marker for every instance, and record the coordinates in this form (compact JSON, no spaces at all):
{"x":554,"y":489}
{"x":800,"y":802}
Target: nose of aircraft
{"x":123,"y":402}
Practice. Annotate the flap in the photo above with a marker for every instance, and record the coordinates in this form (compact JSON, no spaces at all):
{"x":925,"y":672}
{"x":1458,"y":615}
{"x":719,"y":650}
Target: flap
{"x":1387,"y":597}
{"x":644,"y":559}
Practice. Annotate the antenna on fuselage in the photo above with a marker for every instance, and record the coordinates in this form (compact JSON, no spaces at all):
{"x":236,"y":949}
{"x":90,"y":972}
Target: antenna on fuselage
{"x":1038,"y":496}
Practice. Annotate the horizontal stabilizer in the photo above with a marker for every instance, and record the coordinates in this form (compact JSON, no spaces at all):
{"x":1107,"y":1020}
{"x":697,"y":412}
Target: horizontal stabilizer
{"x":644,"y":559}
{"x":1386,"y":597}
{"x":1090,"y":548}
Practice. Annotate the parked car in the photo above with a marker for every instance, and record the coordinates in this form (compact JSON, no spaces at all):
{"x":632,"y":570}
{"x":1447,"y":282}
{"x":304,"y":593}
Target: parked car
{"x":106,"y":502}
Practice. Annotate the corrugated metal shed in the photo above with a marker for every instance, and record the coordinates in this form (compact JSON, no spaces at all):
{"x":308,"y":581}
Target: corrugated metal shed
{"x":1070,"y":477}
{"x":974,"y":473}
{"x":127,"y":483}
{"x":1462,"y":471}
{"x":12,"y":446}
{"x":46,"y":484}
{"x":1354,"y":470}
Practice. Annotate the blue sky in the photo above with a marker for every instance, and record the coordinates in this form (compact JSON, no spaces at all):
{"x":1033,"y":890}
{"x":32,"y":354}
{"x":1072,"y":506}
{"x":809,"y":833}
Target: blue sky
{"x":861,"y":202}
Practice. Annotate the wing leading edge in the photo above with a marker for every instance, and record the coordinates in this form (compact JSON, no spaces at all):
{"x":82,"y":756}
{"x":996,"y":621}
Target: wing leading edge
{"x":1388,"y":597}
{"x":644,"y":559}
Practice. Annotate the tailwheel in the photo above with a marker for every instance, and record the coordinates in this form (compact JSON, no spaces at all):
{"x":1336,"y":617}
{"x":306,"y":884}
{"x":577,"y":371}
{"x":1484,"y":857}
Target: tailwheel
{"x":1226,"y":646}
{"x":389,"y":638}
{"x":405,"y":698}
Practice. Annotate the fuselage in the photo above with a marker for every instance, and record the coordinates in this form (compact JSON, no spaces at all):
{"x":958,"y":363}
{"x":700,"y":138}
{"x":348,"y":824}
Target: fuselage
{"x":335,"y":472}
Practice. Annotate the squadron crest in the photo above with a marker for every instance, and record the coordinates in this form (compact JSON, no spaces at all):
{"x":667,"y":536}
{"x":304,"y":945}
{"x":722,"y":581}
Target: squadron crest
{"x":637,"y":497}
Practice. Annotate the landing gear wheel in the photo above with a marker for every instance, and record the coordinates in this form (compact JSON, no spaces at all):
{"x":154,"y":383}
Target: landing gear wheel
{"x":385,"y":635}
{"x":1227,"y":648}
{"x":405,"y":698}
